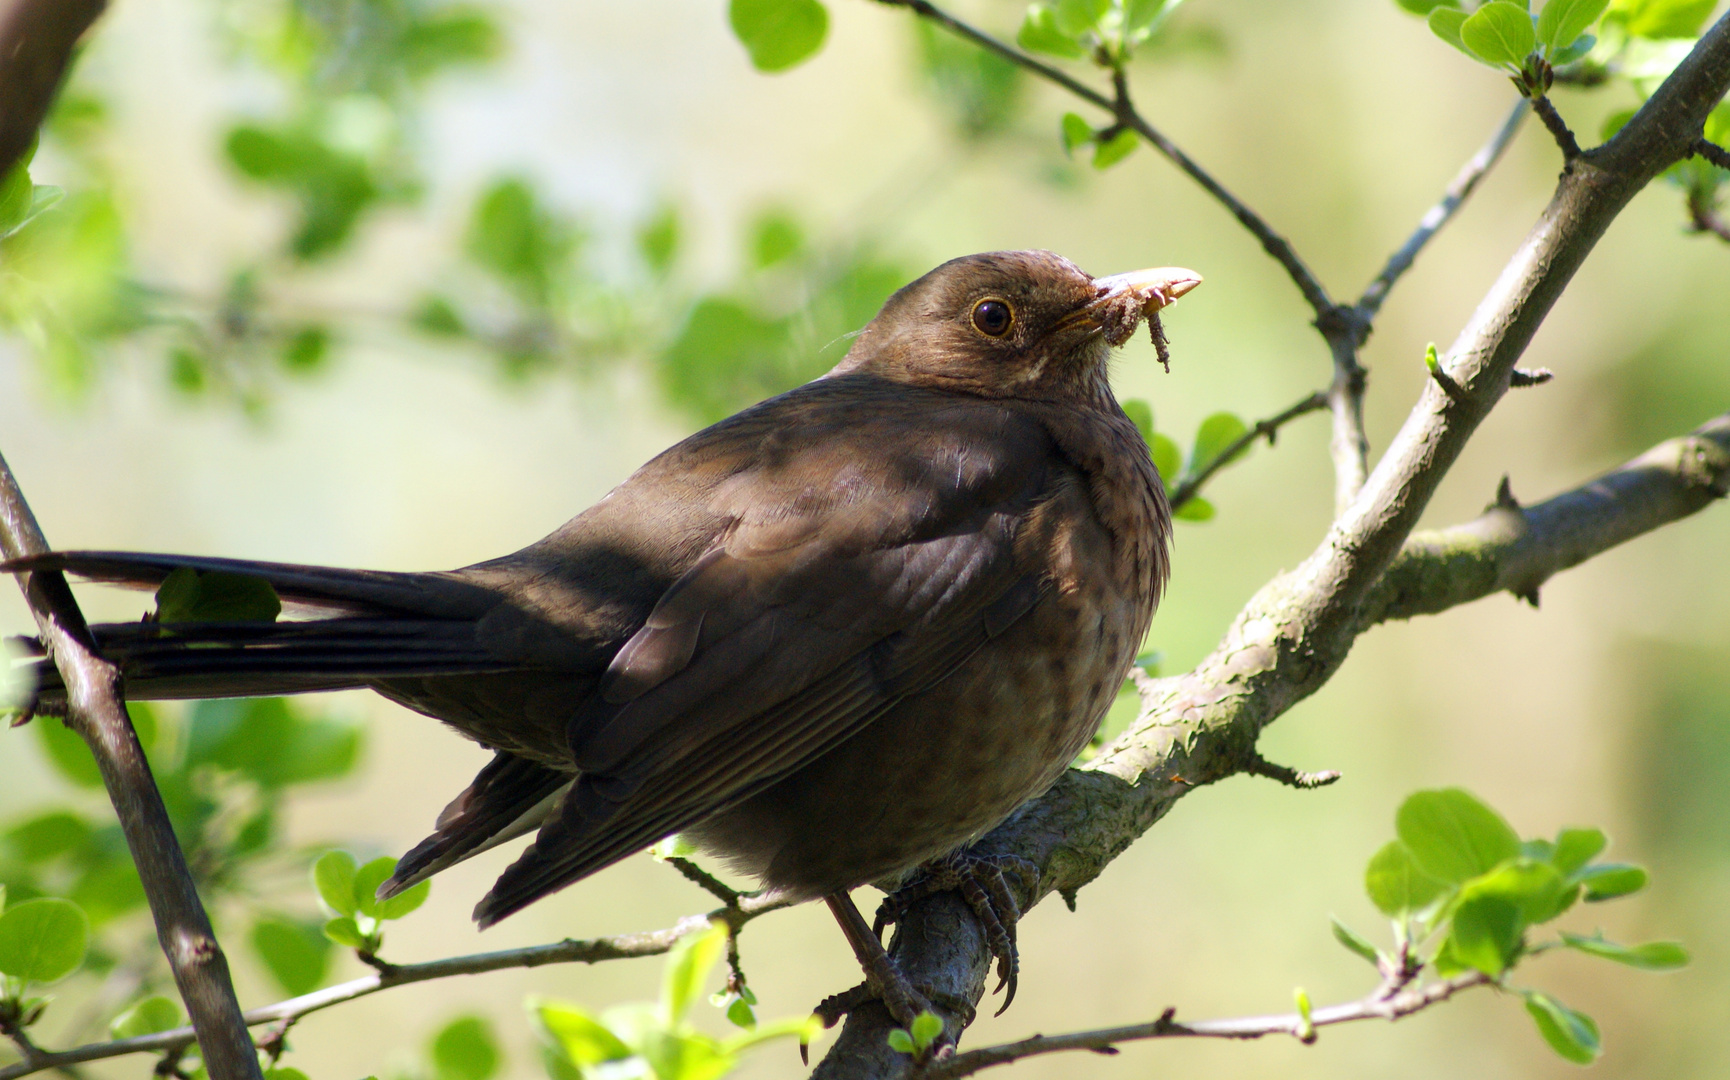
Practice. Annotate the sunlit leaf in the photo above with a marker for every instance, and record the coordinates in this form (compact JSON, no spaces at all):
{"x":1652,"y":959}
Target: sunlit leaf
{"x":1445,"y":23}
{"x":1499,"y":33}
{"x":1355,"y":942}
{"x":1571,"y":1034}
{"x":43,"y":940}
{"x":1486,"y":933}
{"x":1652,"y":956}
{"x":688,"y":967}
{"x":1197,"y":509}
{"x":1577,"y":847}
{"x":1562,"y":21}
{"x":1039,"y":33}
{"x":1396,"y":884}
{"x":1115,"y":149}
{"x":148,"y":1017}
{"x":333,"y":876}
{"x":1215,"y":434}
{"x":1453,"y":835}
{"x":779,"y":34}
{"x":296,"y":954}
{"x":581,"y":1038}
{"x":1662,"y":18}
{"x":194,"y":596}
{"x":1607,"y":881}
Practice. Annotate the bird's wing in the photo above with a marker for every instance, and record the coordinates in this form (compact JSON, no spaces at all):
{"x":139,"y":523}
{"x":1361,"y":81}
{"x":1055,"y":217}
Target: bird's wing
{"x":508,"y":798}
{"x":852,"y":574}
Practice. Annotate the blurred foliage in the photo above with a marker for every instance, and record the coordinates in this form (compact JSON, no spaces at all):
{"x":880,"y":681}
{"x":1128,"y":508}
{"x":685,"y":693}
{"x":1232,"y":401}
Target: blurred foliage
{"x":1683,"y":764}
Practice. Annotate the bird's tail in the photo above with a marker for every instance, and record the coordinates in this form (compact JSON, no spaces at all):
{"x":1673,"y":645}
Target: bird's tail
{"x":350,"y":628}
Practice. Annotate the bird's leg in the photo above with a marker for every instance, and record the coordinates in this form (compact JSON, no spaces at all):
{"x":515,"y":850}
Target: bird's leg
{"x":982,"y":882}
{"x":882,"y":978}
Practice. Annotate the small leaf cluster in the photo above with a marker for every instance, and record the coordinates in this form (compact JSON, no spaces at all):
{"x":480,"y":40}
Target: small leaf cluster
{"x":349,"y":892}
{"x":918,"y":1038}
{"x":1464,"y":893}
{"x":42,"y":941}
{"x":1507,"y":35}
{"x":1105,"y":31}
{"x":225,"y":769}
{"x":1214,"y":438}
{"x":464,"y":1048}
{"x":653,"y":1040}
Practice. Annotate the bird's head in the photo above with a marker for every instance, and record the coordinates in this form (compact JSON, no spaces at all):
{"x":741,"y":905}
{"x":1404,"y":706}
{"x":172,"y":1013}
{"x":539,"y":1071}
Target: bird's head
{"x":1026,"y":324}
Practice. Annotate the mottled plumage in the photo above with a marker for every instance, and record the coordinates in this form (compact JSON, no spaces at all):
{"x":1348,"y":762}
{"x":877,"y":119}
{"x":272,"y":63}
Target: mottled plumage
{"x":829,"y":638}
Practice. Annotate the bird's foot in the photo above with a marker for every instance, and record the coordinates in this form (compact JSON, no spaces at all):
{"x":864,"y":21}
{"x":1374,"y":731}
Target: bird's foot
{"x":982,"y":881}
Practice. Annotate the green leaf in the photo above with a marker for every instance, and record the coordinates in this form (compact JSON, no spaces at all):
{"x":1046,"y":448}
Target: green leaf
{"x":283,"y":1072}
{"x":1445,"y":23}
{"x":1167,"y":458}
{"x":15,"y":192}
{"x":1581,"y":46}
{"x":1140,"y":414}
{"x":1486,"y":933}
{"x":658,"y":239}
{"x":465,"y":1049}
{"x":306,"y":349}
{"x":775,"y":238}
{"x":926,"y":1027}
{"x":1355,"y":941}
{"x":1577,"y":847}
{"x":1424,"y":7}
{"x":345,"y":931}
{"x":1452,"y":835}
{"x":1607,"y":881}
{"x":1077,"y":17}
{"x":1662,"y":18}
{"x":43,"y":940}
{"x":403,"y":902}
{"x":688,"y":967}
{"x":581,"y":1038}
{"x":436,"y":315}
{"x":148,"y":1017}
{"x":740,"y":1014}
{"x":1562,"y":21}
{"x":1534,"y":888}
{"x":1499,"y":33}
{"x":195,"y":596}
{"x":512,"y":235}
{"x":1570,"y":1034}
{"x":1142,"y":17}
{"x":1213,"y":436}
{"x":1039,"y":33}
{"x":296,"y":954}
{"x":367,"y":879}
{"x":779,"y":34}
{"x":980,"y":90}
{"x":1197,"y":509}
{"x":333,"y":876}
{"x":1076,"y":132}
{"x":900,"y":1041}
{"x":48,"y":836}
{"x":673,"y":847}
{"x":1652,"y":956}
{"x":269,"y":741}
{"x":1115,"y":149}
{"x":1396,"y":884}
{"x":70,"y":756}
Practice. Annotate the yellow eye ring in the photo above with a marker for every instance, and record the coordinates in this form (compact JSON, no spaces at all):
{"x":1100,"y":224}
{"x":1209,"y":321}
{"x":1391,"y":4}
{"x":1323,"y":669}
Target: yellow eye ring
{"x":993,"y":317}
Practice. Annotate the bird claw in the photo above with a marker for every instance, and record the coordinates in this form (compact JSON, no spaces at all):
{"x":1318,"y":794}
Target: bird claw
{"x":982,"y":881}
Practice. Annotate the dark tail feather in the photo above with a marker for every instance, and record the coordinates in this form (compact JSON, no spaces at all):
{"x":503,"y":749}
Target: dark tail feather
{"x":508,"y":798}
{"x":327,"y":589}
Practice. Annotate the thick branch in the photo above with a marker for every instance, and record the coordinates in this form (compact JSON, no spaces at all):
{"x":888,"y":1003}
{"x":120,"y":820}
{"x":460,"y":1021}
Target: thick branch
{"x":590,"y":951}
{"x":95,"y":711}
{"x":36,"y":40}
{"x":1294,"y":634}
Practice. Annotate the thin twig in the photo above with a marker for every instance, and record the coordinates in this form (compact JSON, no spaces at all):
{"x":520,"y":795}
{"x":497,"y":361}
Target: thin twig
{"x":1124,"y":113}
{"x":1190,"y":486}
{"x":95,"y":710}
{"x":1712,"y":152}
{"x":1377,"y":1006}
{"x":1558,"y":127}
{"x":589,"y":951}
{"x":1438,"y":215}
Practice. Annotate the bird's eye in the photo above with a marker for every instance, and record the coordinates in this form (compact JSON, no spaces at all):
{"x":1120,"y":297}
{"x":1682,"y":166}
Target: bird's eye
{"x":993,"y":318}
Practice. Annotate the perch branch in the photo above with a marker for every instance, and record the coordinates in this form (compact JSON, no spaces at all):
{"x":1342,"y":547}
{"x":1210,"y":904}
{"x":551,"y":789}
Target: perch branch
{"x":95,"y":711}
{"x":1294,"y":634}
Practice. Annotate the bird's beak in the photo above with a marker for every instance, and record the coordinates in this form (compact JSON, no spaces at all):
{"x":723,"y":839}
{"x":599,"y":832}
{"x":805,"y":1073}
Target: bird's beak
{"x":1122,"y":301}
{"x":1156,"y":288}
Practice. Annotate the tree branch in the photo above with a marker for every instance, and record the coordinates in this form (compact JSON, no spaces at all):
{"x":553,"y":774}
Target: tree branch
{"x":1464,"y":182}
{"x":36,"y":40}
{"x":285,"y":1013}
{"x":1297,"y":630}
{"x":1376,"y":1006}
{"x":1190,"y":486}
{"x":1557,"y":127}
{"x":95,"y":710}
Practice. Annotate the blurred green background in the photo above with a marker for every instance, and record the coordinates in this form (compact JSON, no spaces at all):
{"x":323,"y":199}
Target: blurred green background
{"x":799,"y":200}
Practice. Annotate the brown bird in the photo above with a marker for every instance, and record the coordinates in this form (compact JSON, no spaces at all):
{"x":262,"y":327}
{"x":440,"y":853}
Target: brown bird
{"x":829,"y":639}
